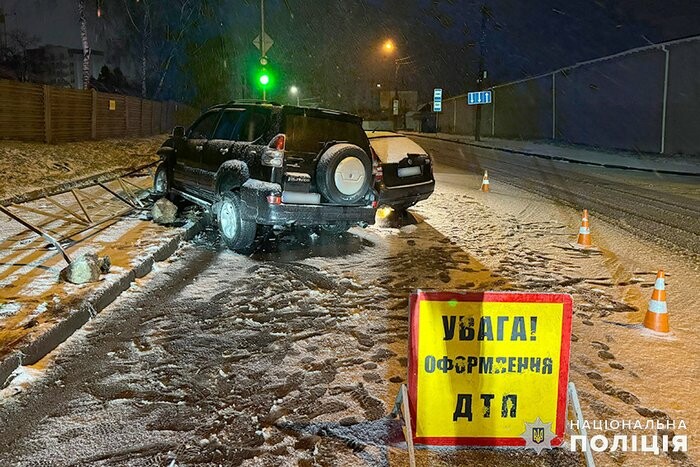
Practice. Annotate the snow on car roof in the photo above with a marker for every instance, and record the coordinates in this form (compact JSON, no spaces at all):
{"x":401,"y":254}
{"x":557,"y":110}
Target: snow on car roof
{"x":392,"y":147}
{"x":383,"y":134}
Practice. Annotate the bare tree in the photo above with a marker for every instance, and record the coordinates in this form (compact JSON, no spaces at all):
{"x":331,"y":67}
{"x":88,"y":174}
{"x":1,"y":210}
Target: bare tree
{"x":20,"y":41}
{"x":141,"y":8}
{"x":187,"y":8}
{"x":86,"y":44}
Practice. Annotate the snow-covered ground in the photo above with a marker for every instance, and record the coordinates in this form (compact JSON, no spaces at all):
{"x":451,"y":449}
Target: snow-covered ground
{"x":294,"y":356}
{"x":29,"y":166}
{"x":32,"y":297}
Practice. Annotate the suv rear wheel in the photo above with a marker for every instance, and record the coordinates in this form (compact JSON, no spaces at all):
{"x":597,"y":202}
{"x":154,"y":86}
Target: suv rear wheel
{"x":344,"y":174}
{"x":237,"y":233}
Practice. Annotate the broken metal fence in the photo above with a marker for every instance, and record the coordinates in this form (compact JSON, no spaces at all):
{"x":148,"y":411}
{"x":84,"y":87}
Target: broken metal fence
{"x":89,"y":211}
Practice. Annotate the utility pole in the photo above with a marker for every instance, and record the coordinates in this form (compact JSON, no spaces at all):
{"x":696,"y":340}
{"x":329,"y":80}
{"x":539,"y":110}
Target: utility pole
{"x":482,"y":73}
{"x":395,"y":103}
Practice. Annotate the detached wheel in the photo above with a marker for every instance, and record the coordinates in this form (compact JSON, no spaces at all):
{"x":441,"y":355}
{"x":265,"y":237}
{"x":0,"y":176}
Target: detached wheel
{"x":161,"y":181}
{"x":237,"y":233}
{"x":344,"y":174}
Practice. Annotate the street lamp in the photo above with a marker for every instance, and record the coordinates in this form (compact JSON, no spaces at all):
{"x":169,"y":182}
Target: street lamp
{"x":294,"y":91}
{"x":388,"y":45}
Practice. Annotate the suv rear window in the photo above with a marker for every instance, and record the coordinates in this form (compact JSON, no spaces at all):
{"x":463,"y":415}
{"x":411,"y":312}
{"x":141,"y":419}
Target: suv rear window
{"x":394,"y":148}
{"x":309,"y":134}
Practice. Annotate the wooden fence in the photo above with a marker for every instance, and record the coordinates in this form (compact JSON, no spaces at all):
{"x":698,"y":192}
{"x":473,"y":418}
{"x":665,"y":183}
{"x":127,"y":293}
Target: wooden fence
{"x":35,"y":112}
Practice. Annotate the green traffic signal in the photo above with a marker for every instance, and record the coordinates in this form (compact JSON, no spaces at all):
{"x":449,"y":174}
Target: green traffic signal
{"x":264,"y":79}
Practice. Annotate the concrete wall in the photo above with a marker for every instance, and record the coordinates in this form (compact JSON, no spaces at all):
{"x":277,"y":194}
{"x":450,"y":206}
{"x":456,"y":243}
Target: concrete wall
{"x":524,"y":110}
{"x":615,"y":102}
{"x":458,"y":117}
{"x":683,"y":103}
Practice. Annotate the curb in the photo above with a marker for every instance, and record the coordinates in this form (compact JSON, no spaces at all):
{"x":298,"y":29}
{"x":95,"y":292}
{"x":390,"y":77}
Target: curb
{"x":554,"y":158}
{"x":94,"y":302}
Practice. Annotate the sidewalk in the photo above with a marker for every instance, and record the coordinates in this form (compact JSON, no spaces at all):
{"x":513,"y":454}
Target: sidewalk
{"x":38,"y":310}
{"x":675,"y":164}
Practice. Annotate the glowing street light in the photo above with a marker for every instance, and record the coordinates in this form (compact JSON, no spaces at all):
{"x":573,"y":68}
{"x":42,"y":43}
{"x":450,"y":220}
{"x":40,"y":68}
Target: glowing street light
{"x":294,"y":91}
{"x":388,"y":45}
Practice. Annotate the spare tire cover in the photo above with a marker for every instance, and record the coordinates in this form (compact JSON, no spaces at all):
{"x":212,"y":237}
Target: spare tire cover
{"x":344,"y":174}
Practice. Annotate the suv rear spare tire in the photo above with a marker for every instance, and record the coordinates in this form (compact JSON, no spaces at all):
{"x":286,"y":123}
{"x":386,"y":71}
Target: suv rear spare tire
{"x":237,"y":233}
{"x":344,"y":174}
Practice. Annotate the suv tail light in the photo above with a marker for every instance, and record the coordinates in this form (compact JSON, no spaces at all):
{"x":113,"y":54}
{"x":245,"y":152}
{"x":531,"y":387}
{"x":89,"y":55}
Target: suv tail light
{"x":273,"y":155}
{"x":377,"y":170}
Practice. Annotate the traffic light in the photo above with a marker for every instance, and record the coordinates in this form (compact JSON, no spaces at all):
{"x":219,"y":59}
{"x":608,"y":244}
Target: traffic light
{"x":264,"y":78}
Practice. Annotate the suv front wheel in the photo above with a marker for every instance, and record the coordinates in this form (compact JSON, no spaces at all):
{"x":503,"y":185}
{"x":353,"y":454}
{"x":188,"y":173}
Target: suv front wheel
{"x":237,"y":233}
{"x":161,"y":181}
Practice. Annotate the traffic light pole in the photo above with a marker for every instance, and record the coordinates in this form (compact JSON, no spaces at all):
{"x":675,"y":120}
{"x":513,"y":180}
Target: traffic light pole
{"x":262,"y":41}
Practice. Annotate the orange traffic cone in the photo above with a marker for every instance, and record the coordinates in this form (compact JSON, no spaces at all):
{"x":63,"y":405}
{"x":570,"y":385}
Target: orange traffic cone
{"x":656,"y":318}
{"x":584,"y":233}
{"x":485,"y":182}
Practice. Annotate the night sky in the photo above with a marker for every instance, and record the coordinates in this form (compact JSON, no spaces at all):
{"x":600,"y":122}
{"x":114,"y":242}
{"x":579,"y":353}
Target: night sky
{"x":332,"y":48}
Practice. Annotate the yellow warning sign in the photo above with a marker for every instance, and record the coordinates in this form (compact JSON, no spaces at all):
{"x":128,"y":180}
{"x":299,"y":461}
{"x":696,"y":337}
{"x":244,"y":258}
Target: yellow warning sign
{"x":489,"y":369}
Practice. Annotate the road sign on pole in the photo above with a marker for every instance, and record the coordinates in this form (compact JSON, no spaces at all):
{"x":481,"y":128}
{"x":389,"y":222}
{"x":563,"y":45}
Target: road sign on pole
{"x":265,"y":46}
{"x":480,"y":97}
{"x":437,"y":100}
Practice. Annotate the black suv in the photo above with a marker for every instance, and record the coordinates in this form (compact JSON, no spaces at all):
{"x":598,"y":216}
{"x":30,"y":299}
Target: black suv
{"x":266,"y":164}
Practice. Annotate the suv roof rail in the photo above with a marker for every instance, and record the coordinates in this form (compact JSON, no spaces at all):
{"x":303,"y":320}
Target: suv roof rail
{"x":251,"y":101}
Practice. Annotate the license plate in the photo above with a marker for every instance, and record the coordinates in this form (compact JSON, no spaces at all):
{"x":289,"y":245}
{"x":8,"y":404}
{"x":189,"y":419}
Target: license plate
{"x":408,"y":171}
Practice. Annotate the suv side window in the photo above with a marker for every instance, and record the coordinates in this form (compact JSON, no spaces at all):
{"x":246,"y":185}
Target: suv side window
{"x":252,"y":125}
{"x":227,"y":124}
{"x":204,"y":127}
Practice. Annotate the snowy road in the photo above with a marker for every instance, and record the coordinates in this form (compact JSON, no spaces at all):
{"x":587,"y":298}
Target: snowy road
{"x":662,"y":207}
{"x":294,"y":355}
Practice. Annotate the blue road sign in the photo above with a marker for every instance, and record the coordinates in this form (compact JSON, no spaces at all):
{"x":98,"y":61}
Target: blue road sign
{"x":480,"y":97}
{"x":437,"y":100}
